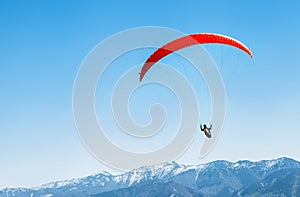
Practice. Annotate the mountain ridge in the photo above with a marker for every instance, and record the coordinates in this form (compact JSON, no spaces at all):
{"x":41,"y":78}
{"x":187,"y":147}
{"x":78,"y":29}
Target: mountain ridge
{"x":213,"y":178}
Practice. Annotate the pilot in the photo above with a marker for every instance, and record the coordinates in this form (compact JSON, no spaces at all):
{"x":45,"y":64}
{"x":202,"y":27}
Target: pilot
{"x":206,"y":130}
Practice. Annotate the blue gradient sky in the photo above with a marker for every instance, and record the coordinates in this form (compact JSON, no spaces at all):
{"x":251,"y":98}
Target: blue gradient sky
{"x":42,"y":44}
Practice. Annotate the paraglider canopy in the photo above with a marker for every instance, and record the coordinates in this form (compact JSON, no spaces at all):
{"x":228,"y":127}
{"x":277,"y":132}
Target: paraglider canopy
{"x":189,"y":40}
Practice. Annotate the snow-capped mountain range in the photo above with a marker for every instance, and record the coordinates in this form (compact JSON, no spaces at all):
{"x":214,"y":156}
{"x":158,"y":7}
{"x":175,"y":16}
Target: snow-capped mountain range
{"x":218,"y":178}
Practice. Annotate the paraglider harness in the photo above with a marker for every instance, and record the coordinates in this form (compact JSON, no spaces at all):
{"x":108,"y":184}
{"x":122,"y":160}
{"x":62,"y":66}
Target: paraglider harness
{"x":206,"y":130}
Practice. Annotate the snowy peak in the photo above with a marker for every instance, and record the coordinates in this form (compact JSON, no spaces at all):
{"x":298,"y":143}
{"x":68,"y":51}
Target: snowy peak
{"x":280,"y":163}
{"x":89,"y":181}
{"x":154,"y":172}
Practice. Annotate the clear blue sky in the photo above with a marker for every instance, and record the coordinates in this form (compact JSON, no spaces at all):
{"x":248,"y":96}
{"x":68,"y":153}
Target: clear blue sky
{"x":42,"y":44}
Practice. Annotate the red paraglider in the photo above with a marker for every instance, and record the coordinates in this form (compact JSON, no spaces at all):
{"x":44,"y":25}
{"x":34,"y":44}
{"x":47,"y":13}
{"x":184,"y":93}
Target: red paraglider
{"x":189,"y":40}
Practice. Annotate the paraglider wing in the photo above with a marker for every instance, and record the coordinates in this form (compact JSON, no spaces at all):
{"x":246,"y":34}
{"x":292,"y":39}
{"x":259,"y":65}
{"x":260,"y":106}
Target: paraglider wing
{"x":189,"y":40}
